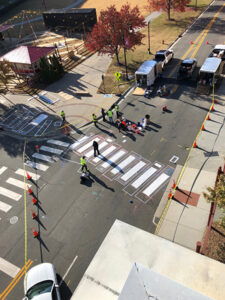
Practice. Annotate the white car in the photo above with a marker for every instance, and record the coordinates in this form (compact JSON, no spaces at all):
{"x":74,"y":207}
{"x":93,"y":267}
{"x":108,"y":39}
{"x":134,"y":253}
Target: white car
{"x":163,"y":57}
{"x":40,"y":283}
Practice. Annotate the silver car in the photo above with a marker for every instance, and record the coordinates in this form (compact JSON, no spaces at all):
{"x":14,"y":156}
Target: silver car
{"x":40,"y":283}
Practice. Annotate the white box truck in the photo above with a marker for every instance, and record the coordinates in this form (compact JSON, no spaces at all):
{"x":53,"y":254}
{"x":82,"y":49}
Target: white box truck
{"x":147,"y":73}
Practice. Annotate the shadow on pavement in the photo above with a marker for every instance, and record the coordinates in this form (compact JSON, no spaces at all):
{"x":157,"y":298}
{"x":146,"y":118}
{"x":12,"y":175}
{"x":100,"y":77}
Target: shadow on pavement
{"x":65,"y":292}
{"x":99,"y":181}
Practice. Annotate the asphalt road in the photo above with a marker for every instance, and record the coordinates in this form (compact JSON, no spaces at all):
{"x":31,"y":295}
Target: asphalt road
{"x":74,"y":218}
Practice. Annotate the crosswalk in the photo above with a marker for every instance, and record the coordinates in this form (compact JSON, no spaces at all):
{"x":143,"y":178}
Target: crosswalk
{"x":138,"y":177}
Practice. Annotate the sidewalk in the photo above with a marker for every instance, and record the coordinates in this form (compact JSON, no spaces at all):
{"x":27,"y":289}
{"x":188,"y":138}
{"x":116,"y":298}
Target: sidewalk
{"x":186,"y":218}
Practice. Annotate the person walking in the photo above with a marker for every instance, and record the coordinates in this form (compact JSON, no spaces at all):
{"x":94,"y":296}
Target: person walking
{"x":117,"y":111}
{"x":110,"y":114}
{"x":62,"y":114}
{"x":103,"y":114}
{"x":95,"y":145}
{"x":83,"y":164}
{"x":94,"y":119}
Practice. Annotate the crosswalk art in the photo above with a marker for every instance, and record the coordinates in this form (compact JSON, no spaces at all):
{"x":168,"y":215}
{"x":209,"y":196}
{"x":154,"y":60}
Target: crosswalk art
{"x":137,"y":176}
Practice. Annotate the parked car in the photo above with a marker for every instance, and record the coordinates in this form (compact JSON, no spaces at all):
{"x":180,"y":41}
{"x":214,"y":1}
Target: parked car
{"x":187,"y":68}
{"x":163,"y":57}
{"x":40,"y":283}
{"x":218,"y":51}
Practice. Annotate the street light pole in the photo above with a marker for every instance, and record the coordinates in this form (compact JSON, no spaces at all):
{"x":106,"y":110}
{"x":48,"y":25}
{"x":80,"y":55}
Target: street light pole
{"x":149,"y":52}
{"x":125,"y":58}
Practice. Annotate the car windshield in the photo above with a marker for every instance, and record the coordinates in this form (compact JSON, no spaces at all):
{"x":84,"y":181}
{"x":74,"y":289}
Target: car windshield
{"x":186,"y":65}
{"x":40,"y":288}
{"x":159,"y":57}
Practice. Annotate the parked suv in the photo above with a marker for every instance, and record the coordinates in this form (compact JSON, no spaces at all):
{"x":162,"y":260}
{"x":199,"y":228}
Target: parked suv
{"x":187,"y":68}
{"x":163,"y":57}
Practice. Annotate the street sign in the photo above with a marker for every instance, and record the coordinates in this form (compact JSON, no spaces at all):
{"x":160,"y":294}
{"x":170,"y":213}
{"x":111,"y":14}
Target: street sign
{"x":117,"y":74}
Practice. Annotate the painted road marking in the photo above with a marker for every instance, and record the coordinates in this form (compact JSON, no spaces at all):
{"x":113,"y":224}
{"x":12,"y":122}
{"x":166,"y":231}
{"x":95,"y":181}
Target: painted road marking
{"x":33,"y":175}
{"x":3,"y":170}
{"x":39,"y":119}
{"x":51,"y":150}
{"x":77,"y":143}
{"x":58,"y":143}
{"x":91,"y":152}
{"x":133,"y":170}
{"x":5,"y":207}
{"x":155,"y":184}
{"x":123,"y":164}
{"x":42,"y":157}
{"x":8,"y":268}
{"x":113,"y":159}
{"x":88,"y":145}
{"x":104,"y":154}
{"x":10,"y":194}
{"x":137,"y":183}
{"x":36,"y":166}
{"x":158,"y":165}
{"x":18,"y":183}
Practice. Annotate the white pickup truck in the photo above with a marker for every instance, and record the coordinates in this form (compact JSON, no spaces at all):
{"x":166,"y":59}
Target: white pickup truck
{"x":218,"y":51}
{"x":163,"y":57}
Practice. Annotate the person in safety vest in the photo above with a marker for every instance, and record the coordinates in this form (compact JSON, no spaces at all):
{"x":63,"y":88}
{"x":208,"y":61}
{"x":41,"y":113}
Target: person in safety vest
{"x":62,"y":114}
{"x":117,"y":111}
{"x":83,"y":164}
{"x":94,"y":119}
{"x":110,"y":114}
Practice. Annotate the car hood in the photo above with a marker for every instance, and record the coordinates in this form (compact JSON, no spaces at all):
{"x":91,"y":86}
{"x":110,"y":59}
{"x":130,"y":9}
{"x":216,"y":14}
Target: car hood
{"x":40,"y":273}
{"x":46,"y":296}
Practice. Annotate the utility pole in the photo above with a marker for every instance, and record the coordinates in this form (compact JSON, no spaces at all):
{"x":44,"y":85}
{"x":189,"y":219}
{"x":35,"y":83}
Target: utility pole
{"x":149,"y":51}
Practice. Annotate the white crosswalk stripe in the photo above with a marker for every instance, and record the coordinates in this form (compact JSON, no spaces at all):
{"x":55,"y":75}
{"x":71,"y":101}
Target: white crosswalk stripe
{"x":2,"y":170}
{"x":133,"y":170}
{"x":33,"y":175}
{"x":51,"y":150}
{"x":123,"y":164}
{"x":18,"y":183}
{"x":88,"y":145}
{"x":113,"y":159}
{"x":104,"y":154}
{"x":10,"y":194}
{"x":8,"y":268}
{"x":5,"y":207}
{"x":79,"y":142}
{"x":36,"y":166}
{"x":58,"y":143}
{"x":91,"y":152}
{"x":155,"y":184}
{"x":42,"y":157}
{"x":143,"y":177}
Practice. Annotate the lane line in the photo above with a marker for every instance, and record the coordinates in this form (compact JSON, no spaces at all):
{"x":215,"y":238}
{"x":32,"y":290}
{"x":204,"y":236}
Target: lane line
{"x":5,"y":207}
{"x":143,"y":177}
{"x":123,"y":164}
{"x":51,"y":150}
{"x":113,"y":159}
{"x":67,"y":271}
{"x":133,"y":170}
{"x":77,"y":143}
{"x":10,"y":194}
{"x":18,"y":183}
{"x":8,"y":268}
{"x":58,"y":143}
{"x":104,"y":154}
{"x":42,"y":157}
{"x":155,"y":184}
{"x":36,"y":166}
{"x":2,"y":170}
{"x":22,"y":173}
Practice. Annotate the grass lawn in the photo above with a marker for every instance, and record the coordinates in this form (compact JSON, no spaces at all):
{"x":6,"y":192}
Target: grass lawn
{"x":161,"y":29}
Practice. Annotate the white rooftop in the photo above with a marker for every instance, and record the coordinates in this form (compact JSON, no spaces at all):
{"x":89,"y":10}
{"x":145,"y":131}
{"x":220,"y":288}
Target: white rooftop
{"x":146,"y":67}
{"x":124,"y":245}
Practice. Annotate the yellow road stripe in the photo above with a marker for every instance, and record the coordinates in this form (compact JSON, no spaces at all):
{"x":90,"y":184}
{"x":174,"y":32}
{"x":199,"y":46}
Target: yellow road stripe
{"x":17,"y":275}
{"x":25,"y":209}
{"x":17,"y":280}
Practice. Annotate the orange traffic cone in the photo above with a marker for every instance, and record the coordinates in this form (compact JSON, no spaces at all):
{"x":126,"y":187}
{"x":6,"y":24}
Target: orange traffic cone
{"x":203,"y":127}
{"x":28,"y":176}
{"x":195,"y":145}
{"x":215,"y":101}
{"x":30,"y":191}
{"x":35,"y":233}
{"x":192,"y":42}
{"x":212,"y":108}
{"x":34,"y":216}
{"x":174,"y":184}
{"x":207,"y":42}
{"x":208,"y":118}
{"x":34,"y":201}
{"x":169,"y":195}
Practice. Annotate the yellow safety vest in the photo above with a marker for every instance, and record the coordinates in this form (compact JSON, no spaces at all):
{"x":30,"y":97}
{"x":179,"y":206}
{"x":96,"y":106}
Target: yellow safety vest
{"x":82,"y":161}
{"x":110,"y":113}
{"x":94,"y":118}
{"x":116,"y":108}
{"x":62,"y":114}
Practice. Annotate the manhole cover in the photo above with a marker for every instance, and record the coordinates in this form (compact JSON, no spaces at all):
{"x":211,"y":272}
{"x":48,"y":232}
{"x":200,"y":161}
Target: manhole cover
{"x":13,"y":220}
